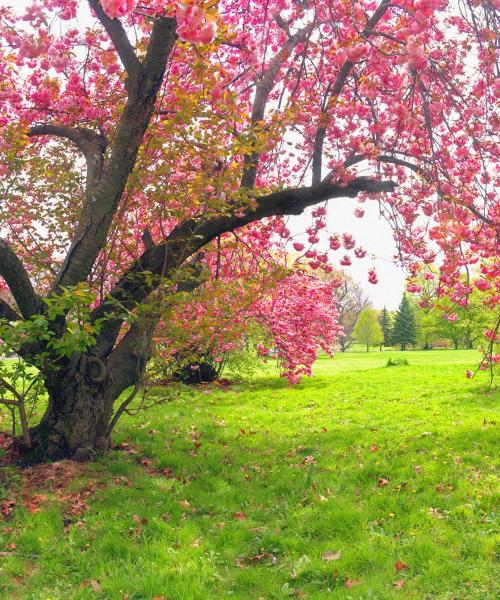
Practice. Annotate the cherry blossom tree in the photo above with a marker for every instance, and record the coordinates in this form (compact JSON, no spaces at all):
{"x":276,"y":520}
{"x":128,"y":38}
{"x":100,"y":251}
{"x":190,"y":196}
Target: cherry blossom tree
{"x":135,"y":133}
{"x":270,"y":297}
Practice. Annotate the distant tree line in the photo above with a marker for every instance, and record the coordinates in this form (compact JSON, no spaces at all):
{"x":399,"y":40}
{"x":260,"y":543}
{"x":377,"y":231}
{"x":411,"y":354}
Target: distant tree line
{"x":445,"y":325}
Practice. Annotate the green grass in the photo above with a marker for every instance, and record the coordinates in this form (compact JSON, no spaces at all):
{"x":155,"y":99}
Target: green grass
{"x":282,"y":476}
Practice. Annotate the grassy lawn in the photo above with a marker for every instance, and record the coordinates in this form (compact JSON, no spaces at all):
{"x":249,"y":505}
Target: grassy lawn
{"x":363,"y":482}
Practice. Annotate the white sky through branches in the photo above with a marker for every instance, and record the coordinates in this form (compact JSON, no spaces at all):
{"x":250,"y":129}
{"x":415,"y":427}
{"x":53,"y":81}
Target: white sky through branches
{"x":374,"y":235}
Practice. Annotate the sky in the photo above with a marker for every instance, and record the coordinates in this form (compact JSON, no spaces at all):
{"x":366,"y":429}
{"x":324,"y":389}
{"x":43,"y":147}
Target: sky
{"x":374,"y":235}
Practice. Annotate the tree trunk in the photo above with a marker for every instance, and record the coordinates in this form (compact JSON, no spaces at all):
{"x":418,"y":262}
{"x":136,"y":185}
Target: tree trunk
{"x":76,"y":422}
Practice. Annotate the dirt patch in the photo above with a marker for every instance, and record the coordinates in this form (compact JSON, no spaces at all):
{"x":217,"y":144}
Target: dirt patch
{"x":39,"y":484}
{"x":54,"y":477}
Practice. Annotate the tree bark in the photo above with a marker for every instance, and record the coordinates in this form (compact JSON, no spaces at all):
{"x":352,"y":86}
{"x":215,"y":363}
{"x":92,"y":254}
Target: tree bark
{"x":76,"y":422}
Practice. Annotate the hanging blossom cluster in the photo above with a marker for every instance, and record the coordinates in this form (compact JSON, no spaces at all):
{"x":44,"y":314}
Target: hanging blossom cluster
{"x":251,"y":287}
{"x":194,"y":23}
{"x":295,"y":316}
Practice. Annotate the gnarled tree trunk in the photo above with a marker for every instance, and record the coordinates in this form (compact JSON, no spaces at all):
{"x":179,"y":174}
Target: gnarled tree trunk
{"x":76,"y":422}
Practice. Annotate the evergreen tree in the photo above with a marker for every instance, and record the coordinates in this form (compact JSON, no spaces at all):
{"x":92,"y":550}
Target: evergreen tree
{"x":385,"y":324}
{"x":404,"y":331}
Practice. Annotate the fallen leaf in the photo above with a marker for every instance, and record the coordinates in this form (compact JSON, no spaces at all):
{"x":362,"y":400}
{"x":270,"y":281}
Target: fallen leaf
{"x":382,"y":482}
{"x":241,"y":516}
{"x":7,"y":507}
{"x":328,"y":556}
{"x":140,"y":520}
{"x":11,"y":546}
{"x":124,"y":447}
{"x":261,"y":557}
{"x":441,"y":488}
{"x":244,"y":561}
{"x":398,"y":585}
{"x":400,"y":566}
{"x":168,"y":473}
{"x":196,"y":543}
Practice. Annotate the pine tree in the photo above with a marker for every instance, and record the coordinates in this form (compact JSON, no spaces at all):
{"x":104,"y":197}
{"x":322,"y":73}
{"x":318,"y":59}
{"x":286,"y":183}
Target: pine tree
{"x":404,"y":331}
{"x":385,"y":324}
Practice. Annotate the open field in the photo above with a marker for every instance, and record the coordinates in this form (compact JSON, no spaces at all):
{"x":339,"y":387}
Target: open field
{"x":363,"y":482}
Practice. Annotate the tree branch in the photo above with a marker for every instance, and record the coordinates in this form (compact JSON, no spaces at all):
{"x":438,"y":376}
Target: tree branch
{"x":119,"y":37}
{"x":90,"y":143}
{"x":386,"y":158}
{"x":134,"y":349}
{"x":14,"y":273}
{"x":317,"y":159}
{"x":262,"y":93}
{"x":187,"y":279}
{"x":7,"y":312}
{"x":102,"y":200}
{"x":187,"y":238}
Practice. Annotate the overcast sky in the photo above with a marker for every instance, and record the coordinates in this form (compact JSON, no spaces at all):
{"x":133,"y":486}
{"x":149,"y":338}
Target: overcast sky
{"x":375,"y":236}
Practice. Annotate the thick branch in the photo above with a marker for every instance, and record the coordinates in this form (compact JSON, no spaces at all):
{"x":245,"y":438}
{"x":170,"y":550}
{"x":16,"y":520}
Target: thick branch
{"x":14,"y":273}
{"x":127,"y":362}
{"x":187,"y":278}
{"x":7,"y":312}
{"x":317,"y":160}
{"x":134,"y":349}
{"x":91,"y":144}
{"x":102,"y":200}
{"x":190,"y":236}
{"x":118,"y":36}
{"x":262,"y":93}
